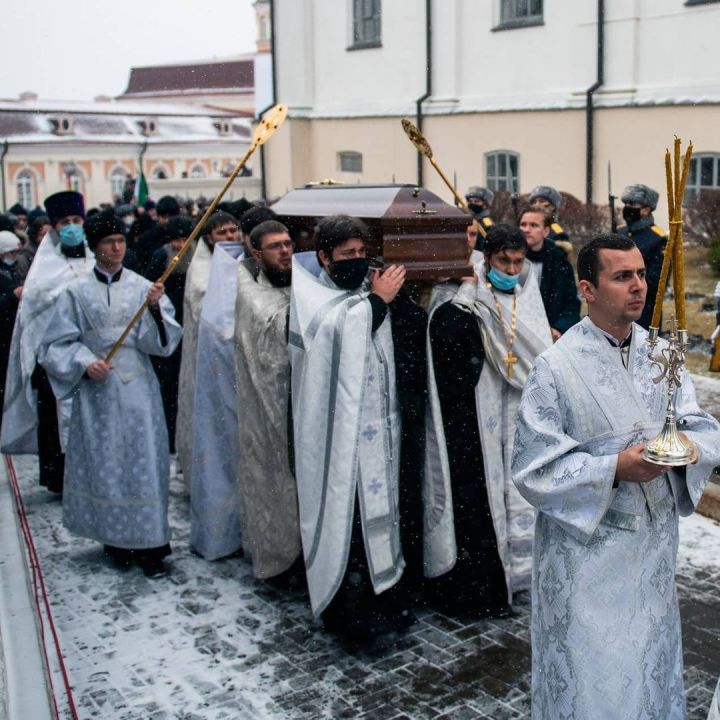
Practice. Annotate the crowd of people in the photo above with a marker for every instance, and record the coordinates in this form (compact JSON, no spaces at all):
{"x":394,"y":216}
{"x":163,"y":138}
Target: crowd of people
{"x":348,"y":440}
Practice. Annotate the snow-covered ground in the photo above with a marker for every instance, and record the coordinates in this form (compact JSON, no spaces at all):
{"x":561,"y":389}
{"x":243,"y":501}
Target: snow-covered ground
{"x":708,"y":393}
{"x":209,"y":642}
{"x":700,"y":547}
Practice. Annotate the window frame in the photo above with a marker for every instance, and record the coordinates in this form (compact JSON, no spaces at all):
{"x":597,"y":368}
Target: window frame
{"x":513,"y":21}
{"x":117,"y":172}
{"x":694,"y":183}
{"x":359,"y":38}
{"x":492,"y":181}
{"x":351,"y":156}
{"x":198,"y":171}
{"x":160,"y":167}
{"x":29,"y":182}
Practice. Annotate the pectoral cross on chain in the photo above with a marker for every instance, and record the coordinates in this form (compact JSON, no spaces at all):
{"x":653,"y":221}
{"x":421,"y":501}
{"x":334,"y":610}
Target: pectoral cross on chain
{"x":509,"y":361}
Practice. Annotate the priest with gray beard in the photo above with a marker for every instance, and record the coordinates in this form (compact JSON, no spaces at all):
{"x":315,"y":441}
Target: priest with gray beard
{"x":266,"y":486}
{"x":348,"y":420}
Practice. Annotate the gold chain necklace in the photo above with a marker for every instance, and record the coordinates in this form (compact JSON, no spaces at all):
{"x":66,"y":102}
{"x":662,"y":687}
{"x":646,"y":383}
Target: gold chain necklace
{"x":509,"y":359}
{"x":72,"y":269}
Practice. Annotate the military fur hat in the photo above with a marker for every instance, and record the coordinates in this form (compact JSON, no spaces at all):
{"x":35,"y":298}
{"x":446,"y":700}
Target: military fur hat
{"x":547,"y":192}
{"x":63,"y":204}
{"x":642,"y":194}
{"x":101,"y":225}
{"x":480,"y":192}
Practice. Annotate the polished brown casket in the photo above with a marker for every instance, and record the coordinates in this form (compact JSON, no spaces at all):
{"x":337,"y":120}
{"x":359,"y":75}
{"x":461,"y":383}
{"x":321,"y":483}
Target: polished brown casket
{"x":408,"y":225}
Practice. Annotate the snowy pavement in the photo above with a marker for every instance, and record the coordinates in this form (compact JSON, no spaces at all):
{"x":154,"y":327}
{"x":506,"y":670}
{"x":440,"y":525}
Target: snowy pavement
{"x":210,"y":642}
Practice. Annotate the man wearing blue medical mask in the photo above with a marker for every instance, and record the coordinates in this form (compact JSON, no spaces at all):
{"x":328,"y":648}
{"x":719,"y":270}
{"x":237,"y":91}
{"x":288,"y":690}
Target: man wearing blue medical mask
{"x":32,"y":422}
{"x":483,"y":342}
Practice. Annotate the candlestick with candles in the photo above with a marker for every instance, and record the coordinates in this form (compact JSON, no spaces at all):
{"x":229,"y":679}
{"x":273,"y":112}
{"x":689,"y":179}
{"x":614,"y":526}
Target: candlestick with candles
{"x":668,"y":447}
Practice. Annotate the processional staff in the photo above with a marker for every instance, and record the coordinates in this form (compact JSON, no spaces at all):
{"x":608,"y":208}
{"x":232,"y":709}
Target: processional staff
{"x":265,"y":129}
{"x":669,"y":447}
{"x":422,"y":145}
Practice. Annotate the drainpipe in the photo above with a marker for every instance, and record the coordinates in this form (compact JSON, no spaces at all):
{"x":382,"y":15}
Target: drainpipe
{"x":5,"y":148}
{"x":428,"y":85}
{"x":589,"y":108}
{"x":142,"y":156}
{"x":263,"y":183}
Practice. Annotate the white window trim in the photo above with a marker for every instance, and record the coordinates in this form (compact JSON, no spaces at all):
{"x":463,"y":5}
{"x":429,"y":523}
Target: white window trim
{"x":492,"y":185}
{"x":25,"y":172}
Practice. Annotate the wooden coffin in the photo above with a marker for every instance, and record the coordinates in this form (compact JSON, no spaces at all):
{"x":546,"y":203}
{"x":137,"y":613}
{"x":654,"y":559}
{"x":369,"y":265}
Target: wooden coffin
{"x":408,"y":225}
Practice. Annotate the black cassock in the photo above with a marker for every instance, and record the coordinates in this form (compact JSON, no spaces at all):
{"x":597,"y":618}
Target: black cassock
{"x":167,"y":369}
{"x":355,"y":611}
{"x":476,"y":584}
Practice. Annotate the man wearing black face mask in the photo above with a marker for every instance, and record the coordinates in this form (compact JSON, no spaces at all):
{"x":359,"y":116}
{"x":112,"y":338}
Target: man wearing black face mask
{"x":639,"y":201}
{"x":479,"y":200}
{"x":357,"y":356}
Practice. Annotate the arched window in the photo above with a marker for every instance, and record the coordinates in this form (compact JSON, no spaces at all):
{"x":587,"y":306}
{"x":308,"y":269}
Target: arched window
{"x":74,"y":179}
{"x":160,"y":172}
{"x":502,"y":170}
{"x":118,"y":178}
{"x":197,"y":171}
{"x":25,"y":183}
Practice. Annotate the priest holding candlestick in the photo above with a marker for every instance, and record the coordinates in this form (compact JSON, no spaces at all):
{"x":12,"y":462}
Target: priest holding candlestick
{"x":606,"y":636}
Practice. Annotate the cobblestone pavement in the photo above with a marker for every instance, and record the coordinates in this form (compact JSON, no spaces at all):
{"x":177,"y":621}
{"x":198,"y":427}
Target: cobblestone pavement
{"x":209,"y":642}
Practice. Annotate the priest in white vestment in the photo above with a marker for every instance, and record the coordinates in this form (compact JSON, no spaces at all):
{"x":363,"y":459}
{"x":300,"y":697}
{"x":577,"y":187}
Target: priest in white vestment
{"x":346,"y":418}
{"x":482,"y":342}
{"x":606,"y":638}
{"x":265,"y":480}
{"x":220,"y":227}
{"x":214,"y":502}
{"x":117,"y":463}
{"x":32,"y":421}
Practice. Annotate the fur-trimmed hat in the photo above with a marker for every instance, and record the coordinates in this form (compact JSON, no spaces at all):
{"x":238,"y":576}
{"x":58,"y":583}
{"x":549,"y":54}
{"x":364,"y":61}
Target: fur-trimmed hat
{"x":480,"y":192}
{"x":642,"y":194}
{"x":101,"y":225}
{"x":547,"y":192}
{"x":168,"y":205}
{"x":63,"y":204}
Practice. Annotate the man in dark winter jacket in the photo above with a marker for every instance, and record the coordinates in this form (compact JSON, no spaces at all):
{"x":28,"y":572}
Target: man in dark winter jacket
{"x":10,"y":292}
{"x":639,"y":201}
{"x":555,"y":274}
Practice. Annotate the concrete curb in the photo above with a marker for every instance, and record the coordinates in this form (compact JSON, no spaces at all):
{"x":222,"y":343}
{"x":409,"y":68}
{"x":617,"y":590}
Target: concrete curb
{"x":26,"y":690}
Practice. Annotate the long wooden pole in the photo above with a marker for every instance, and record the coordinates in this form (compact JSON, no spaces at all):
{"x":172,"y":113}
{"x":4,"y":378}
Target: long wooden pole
{"x":264,"y":131}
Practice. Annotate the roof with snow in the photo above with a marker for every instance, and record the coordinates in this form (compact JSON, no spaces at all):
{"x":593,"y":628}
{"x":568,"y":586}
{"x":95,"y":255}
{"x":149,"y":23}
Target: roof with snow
{"x":225,"y":76}
{"x":39,"y":121}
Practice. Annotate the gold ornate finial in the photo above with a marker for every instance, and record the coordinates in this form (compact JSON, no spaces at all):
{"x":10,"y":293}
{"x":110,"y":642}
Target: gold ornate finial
{"x":417,"y":138}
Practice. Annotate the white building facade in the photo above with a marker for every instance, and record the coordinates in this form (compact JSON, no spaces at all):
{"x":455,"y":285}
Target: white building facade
{"x":504,"y":103}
